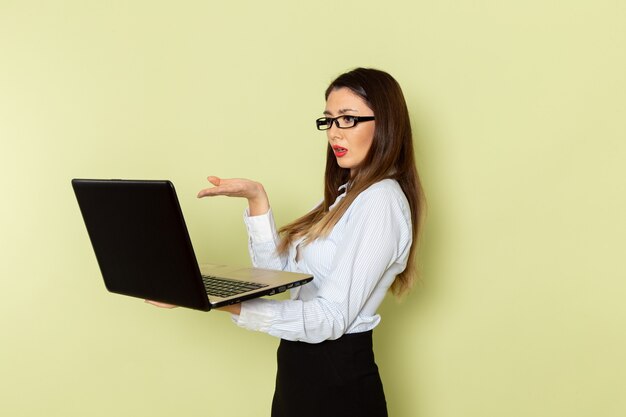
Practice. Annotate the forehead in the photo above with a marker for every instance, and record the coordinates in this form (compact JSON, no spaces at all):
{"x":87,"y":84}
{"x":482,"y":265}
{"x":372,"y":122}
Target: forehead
{"x":341,"y":100}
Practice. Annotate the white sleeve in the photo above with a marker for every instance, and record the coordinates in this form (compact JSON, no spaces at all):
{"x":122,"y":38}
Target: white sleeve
{"x":377,"y":236}
{"x":263,"y":240}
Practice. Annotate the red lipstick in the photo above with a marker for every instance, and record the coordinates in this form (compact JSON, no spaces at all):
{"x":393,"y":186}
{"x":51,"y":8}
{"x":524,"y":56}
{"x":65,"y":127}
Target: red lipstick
{"x":339,"y":151}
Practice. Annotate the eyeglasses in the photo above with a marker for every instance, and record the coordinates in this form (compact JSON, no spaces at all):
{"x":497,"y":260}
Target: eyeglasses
{"x":342,"y":122}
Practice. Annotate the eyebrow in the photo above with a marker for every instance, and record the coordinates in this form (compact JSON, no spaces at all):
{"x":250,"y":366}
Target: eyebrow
{"x":341,"y":111}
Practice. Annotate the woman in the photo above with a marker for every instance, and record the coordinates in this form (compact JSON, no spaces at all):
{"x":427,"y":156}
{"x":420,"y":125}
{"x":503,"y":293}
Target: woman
{"x":359,"y":242}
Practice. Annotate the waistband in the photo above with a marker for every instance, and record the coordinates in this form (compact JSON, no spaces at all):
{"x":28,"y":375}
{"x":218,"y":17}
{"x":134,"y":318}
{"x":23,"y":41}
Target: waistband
{"x":348,"y":338}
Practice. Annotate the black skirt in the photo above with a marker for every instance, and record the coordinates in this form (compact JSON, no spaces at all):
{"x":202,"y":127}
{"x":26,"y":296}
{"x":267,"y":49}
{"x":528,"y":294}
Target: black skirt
{"x":333,"y":378}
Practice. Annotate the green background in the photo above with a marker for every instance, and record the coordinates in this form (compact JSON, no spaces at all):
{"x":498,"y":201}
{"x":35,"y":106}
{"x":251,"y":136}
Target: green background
{"x":519,"y":112}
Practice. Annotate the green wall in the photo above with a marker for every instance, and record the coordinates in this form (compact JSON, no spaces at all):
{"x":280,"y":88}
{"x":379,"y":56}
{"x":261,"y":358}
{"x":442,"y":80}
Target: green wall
{"x":518,"y":109}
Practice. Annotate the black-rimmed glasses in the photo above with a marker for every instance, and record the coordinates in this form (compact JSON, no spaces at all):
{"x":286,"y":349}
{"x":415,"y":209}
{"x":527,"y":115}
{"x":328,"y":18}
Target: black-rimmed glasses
{"x":342,"y":122}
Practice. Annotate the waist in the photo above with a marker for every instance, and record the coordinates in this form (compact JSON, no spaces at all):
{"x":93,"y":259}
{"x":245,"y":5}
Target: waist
{"x":348,"y":339}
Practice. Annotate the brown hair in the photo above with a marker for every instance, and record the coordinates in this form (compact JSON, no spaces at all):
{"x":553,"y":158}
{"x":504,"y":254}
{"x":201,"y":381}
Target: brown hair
{"x":390,"y":156}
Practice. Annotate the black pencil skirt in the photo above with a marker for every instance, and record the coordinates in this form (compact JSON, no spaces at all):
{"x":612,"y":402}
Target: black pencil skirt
{"x":333,"y":378}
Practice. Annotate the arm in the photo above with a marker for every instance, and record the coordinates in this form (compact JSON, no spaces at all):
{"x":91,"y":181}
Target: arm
{"x":263,"y":242}
{"x":258,"y":204}
{"x":259,"y":220}
{"x":375,"y":244}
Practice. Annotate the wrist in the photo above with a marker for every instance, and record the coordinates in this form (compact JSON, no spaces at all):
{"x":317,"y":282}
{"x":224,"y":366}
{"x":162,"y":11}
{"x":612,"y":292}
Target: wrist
{"x":259,"y":203}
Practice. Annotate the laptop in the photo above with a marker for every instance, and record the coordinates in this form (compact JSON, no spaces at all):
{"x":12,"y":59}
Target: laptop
{"x":143,"y":249}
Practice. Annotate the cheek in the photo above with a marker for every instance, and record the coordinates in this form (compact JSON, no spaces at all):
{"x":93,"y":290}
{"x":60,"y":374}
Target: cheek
{"x":365,"y":142}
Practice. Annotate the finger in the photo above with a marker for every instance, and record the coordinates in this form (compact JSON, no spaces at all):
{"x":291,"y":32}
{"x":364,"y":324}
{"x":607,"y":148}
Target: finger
{"x":218,"y":190}
{"x":160,"y":304}
{"x":207,"y":192}
{"x":204,"y":193}
{"x":214,"y":180}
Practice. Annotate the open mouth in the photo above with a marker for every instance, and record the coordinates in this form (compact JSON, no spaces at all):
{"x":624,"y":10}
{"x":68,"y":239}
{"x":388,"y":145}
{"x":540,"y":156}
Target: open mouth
{"x":339,"y":151}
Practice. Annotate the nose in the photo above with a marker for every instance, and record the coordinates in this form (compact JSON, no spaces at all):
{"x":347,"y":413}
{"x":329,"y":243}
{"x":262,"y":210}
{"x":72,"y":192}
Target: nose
{"x":334,"y":133}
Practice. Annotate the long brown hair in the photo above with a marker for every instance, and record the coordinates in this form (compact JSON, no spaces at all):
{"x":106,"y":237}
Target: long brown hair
{"x":390,"y":156}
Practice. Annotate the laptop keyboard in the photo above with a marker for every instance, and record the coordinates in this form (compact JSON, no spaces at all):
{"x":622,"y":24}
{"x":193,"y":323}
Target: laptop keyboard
{"x":222,"y":287}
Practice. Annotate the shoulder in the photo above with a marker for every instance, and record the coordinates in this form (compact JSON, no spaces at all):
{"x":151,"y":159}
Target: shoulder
{"x":385,"y":190}
{"x":383,"y":196}
{"x":387,"y":186}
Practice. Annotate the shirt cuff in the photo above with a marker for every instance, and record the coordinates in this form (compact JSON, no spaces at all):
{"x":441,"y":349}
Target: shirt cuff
{"x":256,"y":315}
{"x":260,"y":228}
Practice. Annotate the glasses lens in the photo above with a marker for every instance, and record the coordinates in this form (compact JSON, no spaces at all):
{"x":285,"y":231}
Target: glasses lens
{"x":346,"y":121}
{"x":323,"y":123}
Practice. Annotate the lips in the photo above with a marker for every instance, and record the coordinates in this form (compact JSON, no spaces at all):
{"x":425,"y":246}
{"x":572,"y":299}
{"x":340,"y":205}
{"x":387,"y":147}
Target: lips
{"x":339,"y":151}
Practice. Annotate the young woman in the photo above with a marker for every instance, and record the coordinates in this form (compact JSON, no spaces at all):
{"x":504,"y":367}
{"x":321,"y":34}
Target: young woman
{"x":358,"y":243}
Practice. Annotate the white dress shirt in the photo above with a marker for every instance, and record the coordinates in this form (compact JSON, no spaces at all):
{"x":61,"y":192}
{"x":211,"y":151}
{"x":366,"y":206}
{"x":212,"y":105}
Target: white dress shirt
{"x":353,"y":268}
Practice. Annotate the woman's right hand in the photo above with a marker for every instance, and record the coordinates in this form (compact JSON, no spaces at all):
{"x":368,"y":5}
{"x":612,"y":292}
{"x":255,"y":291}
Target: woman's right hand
{"x":160,"y":304}
{"x":239,"y":187}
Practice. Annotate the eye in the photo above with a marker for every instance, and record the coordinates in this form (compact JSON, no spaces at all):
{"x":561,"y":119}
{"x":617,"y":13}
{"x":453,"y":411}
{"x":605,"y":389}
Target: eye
{"x":348,"y":120}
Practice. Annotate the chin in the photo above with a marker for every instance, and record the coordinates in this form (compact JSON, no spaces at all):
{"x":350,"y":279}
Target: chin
{"x":345,"y":165}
